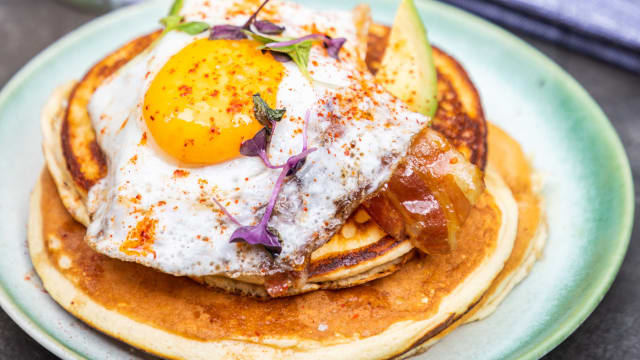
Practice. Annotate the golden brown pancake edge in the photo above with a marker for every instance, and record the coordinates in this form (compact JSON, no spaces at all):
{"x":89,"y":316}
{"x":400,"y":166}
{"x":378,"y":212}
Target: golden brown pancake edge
{"x":355,"y":312}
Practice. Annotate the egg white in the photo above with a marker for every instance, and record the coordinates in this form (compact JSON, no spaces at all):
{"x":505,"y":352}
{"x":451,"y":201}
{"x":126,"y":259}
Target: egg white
{"x":309,"y":205}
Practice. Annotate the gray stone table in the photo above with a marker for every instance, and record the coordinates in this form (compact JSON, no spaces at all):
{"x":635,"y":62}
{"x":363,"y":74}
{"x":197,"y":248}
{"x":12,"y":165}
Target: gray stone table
{"x":611,"y":332}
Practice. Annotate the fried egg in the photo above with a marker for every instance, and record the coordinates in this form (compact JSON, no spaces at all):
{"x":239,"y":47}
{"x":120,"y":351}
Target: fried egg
{"x":171,"y":122}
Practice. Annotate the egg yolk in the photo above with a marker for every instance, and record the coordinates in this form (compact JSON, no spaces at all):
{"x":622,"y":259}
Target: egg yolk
{"x":199,"y":107}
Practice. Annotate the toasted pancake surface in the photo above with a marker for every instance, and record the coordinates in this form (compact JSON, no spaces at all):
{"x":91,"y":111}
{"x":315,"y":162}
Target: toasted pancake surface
{"x":425,"y":293}
{"x":365,"y":310}
{"x":84,"y":158}
{"x":510,"y":160}
{"x":61,"y":237}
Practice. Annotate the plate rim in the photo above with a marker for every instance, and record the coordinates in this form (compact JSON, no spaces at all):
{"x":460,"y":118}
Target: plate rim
{"x":588,"y":302}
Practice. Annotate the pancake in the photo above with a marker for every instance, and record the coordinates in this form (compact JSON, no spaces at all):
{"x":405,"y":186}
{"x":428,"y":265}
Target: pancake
{"x":177,"y":318}
{"x":508,"y":159}
{"x":53,"y":113}
{"x":365,"y":254}
{"x":84,"y":158}
{"x":525,"y":185}
{"x":392,"y":302}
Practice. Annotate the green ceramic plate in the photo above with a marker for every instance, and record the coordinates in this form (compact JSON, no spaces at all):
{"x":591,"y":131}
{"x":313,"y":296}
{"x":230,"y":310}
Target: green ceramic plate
{"x":588,"y":186}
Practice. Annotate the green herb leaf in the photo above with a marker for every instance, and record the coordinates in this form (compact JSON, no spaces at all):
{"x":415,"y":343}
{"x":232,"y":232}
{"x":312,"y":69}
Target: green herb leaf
{"x":173,"y":21}
{"x":170,"y":22}
{"x":193,"y":27}
{"x":264,"y":114}
{"x":176,"y":7}
{"x":299,"y":52}
{"x":300,"y":55}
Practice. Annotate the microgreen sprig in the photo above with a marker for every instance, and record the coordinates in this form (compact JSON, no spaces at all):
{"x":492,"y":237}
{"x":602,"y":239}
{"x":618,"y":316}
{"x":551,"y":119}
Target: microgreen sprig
{"x":262,"y":233}
{"x":233,"y":32}
{"x":298,"y":49}
{"x":173,"y":21}
{"x":283,"y":48}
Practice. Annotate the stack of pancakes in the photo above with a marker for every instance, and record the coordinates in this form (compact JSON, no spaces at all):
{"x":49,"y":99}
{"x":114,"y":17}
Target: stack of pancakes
{"x":392,"y":302}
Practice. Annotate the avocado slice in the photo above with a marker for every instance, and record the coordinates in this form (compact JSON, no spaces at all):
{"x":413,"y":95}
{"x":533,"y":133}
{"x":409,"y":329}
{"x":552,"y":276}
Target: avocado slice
{"x":407,"y":69}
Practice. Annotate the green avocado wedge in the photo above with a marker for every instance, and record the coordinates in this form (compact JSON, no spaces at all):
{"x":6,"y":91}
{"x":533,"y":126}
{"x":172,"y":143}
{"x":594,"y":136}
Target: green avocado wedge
{"x":407,"y":69}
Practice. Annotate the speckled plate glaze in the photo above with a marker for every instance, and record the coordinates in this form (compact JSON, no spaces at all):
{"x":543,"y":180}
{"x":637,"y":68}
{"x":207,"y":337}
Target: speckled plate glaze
{"x":588,"y":185}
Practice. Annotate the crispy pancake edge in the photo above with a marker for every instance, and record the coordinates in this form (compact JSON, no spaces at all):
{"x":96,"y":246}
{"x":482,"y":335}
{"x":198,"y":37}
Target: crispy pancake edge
{"x":84,"y":158}
{"x":396,"y":339}
{"x":509,"y":159}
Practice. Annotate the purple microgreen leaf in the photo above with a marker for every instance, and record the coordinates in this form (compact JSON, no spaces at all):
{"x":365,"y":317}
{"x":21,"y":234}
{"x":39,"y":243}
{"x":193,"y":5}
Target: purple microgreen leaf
{"x":267,"y":27}
{"x":258,"y":235}
{"x":295,"y":165}
{"x":255,"y":145}
{"x":193,"y":27}
{"x":296,"y":162}
{"x":233,"y":32}
{"x":262,"y":233}
{"x":247,"y":25}
{"x":227,"y":32}
{"x":264,"y":114}
{"x":333,"y":46}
